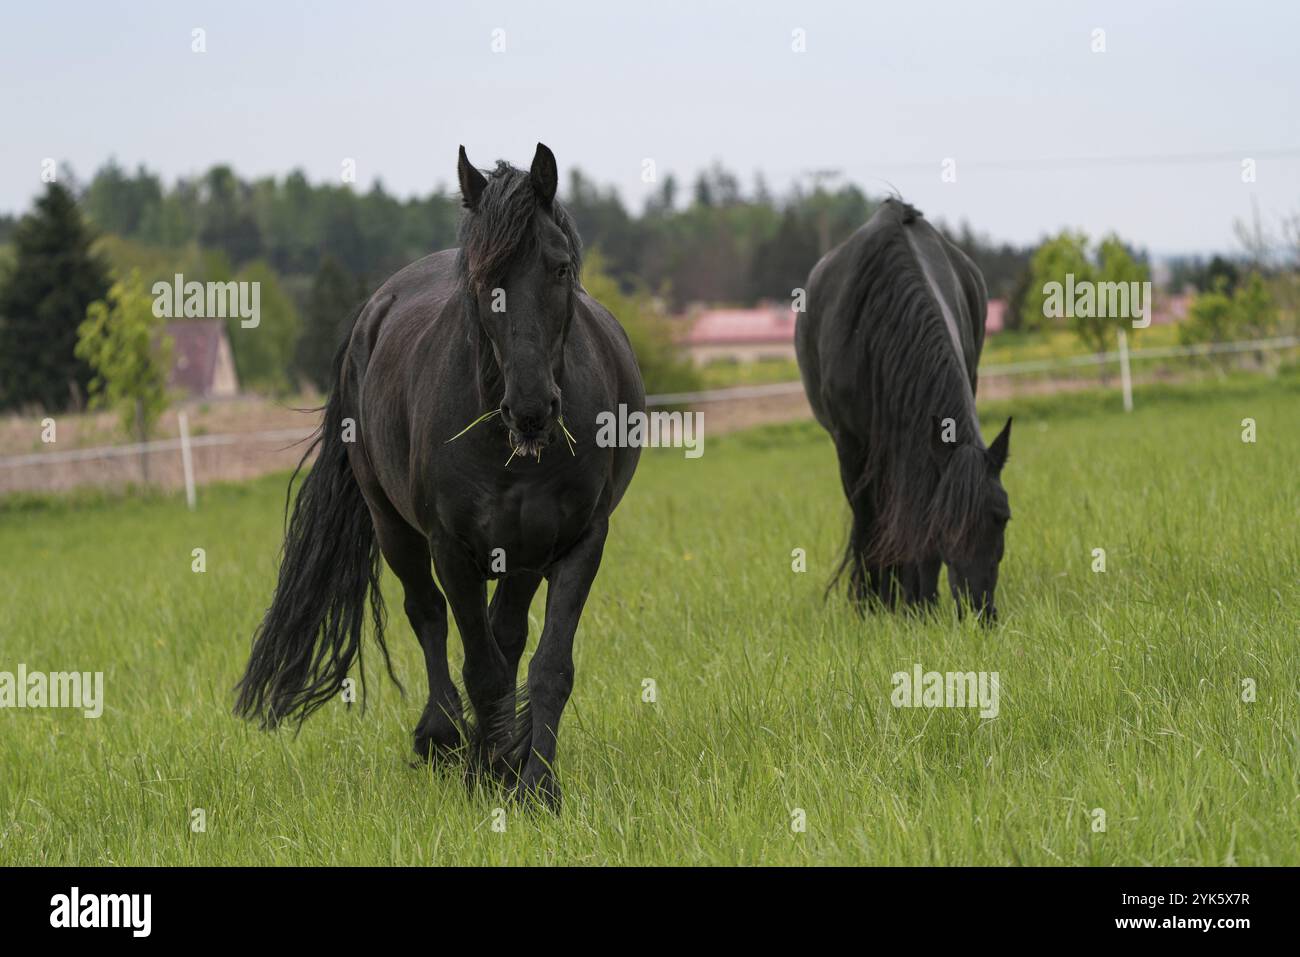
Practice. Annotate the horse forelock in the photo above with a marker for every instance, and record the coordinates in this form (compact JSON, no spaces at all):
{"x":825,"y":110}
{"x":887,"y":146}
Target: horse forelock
{"x":501,"y":227}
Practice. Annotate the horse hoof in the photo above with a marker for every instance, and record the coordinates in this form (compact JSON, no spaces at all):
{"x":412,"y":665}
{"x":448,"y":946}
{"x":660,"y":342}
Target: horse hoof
{"x":434,"y":748}
{"x":539,"y":790}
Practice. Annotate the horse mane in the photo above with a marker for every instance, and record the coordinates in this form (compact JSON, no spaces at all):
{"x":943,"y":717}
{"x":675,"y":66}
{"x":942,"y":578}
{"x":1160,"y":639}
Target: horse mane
{"x":492,"y":235}
{"x":915,"y":376}
{"x":958,"y":502}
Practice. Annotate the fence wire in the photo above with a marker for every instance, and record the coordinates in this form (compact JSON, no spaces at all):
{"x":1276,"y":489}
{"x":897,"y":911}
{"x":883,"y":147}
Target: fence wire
{"x":208,"y":459}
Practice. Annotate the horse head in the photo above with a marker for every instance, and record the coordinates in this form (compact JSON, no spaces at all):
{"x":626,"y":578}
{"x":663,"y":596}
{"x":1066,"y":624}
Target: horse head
{"x":520,"y":260}
{"x":969,"y":515}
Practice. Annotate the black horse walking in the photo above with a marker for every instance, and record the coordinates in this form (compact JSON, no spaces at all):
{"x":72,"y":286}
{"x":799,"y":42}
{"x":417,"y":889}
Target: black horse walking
{"x":500,"y":326}
{"x":888,"y":349}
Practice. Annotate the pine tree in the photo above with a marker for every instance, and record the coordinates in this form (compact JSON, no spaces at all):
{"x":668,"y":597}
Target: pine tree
{"x":43,"y":301}
{"x":332,"y":299}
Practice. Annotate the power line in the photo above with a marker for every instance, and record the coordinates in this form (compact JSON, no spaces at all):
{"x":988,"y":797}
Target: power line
{"x":1151,"y":159}
{"x":1049,"y":163}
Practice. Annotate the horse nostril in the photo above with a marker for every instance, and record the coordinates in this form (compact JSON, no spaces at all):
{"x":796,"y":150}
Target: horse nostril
{"x":505,"y":412}
{"x":555,"y":408}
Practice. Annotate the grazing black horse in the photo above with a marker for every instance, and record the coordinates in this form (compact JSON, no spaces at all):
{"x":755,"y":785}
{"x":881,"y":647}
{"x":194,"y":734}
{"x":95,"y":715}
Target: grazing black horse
{"x":888,"y":349}
{"x":501,"y":326}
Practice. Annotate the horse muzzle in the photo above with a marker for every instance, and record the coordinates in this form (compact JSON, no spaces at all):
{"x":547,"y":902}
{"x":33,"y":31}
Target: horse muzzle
{"x":531,"y":425}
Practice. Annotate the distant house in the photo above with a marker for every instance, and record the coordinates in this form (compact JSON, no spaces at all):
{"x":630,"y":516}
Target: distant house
{"x":1171,"y":308}
{"x":996,"y":317}
{"x":740,"y":335}
{"x":202,"y":364}
{"x":765,"y":332}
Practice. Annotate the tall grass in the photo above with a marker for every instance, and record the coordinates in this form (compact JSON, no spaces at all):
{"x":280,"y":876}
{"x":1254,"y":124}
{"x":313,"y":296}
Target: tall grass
{"x":1120,"y":691}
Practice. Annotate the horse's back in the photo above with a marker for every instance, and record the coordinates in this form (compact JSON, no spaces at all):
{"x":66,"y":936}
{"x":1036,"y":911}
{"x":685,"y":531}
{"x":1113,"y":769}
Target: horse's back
{"x":824,"y":329}
{"x":957,"y":288}
{"x":844,"y":303}
{"x":408,"y":301}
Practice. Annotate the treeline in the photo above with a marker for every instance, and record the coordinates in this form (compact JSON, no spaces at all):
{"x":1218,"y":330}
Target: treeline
{"x":317,"y":250}
{"x":715,"y":242}
{"x":57,"y":270}
{"x":290,"y":224}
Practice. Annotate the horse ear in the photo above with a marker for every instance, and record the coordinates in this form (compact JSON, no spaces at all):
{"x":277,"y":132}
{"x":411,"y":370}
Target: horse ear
{"x":1000,"y":448}
{"x":940,"y":450}
{"x":472,"y":182}
{"x":545,"y":176}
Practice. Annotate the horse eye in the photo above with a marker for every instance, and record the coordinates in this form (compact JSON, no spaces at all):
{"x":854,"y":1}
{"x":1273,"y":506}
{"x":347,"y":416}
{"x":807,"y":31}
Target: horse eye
{"x":562,"y":273}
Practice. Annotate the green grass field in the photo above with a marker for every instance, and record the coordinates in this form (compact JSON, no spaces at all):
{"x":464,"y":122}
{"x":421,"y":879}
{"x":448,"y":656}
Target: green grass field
{"x":1120,"y":691}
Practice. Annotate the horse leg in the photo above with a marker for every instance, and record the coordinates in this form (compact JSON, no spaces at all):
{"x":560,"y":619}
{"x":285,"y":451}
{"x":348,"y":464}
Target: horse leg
{"x":486,"y":674}
{"x":864,"y":580}
{"x":550,"y":673}
{"x":921,"y":583}
{"x":407,"y":552}
{"x":861,"y":582}
{"x":886,"y":583}
{"x":508,"y":616}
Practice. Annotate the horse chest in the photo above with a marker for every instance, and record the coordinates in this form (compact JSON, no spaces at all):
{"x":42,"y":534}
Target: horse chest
{"x":522,"y":525}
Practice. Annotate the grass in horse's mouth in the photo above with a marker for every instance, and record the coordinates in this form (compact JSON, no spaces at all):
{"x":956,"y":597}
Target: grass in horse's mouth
{"x":525,"y":448}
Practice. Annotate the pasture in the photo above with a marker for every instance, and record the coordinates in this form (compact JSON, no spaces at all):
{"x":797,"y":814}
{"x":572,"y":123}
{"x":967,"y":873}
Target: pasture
{"x":1121,"y":691}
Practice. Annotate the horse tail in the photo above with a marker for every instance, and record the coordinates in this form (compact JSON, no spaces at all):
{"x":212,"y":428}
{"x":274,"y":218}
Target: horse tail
{"x":311,"y":634}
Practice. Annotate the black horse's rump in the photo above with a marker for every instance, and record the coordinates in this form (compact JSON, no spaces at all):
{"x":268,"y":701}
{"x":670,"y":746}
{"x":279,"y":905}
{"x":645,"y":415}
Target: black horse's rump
{"x":888,"y":350}
{"x":500,"y":333}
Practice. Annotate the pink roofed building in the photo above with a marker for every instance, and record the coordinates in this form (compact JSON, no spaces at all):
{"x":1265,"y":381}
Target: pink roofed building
{"x":740,"y":335}
{"x":996,"y":316}
{"x":764,"y":332}
{"x":1171,"y":308}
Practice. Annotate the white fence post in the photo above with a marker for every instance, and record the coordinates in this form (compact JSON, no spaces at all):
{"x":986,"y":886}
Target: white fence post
{"x":187,"y":460}
{"x":1125,"y":376}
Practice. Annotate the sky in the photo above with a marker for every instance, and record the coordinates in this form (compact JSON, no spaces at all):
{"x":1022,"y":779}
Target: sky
{"x":968,"y":109}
